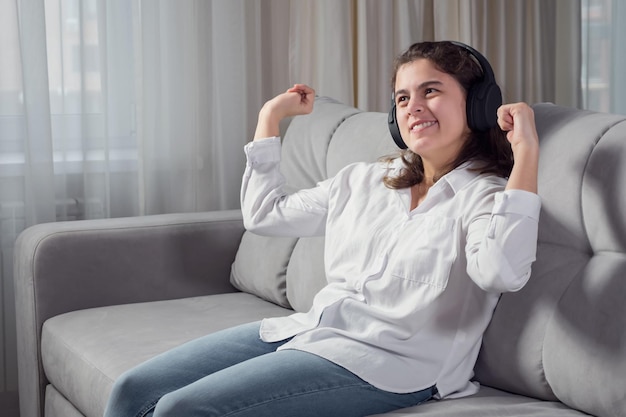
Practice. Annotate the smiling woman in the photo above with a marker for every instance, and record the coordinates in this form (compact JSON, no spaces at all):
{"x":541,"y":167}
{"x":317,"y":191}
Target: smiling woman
{"x":391,"y":330}
{"x":455,"y":82}
{"x":430,"y":110}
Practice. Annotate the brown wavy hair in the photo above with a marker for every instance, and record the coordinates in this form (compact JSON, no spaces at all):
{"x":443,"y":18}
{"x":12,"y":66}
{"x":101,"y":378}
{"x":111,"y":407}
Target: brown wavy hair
{"x":490,"y":150}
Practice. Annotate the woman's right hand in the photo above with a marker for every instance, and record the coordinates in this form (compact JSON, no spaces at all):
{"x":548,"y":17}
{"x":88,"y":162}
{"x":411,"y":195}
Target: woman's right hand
{"x":295,"y":101}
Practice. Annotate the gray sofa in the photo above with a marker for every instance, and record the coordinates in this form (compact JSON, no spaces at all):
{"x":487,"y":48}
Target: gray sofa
{"x":96,"y":297}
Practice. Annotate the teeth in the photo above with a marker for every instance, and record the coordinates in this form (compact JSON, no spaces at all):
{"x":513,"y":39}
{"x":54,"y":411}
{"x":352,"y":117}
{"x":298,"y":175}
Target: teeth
{"x":423,"y":125}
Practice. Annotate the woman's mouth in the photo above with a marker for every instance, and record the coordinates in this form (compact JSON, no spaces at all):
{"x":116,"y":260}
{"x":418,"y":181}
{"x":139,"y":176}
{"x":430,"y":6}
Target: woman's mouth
{"x":419,"y":126}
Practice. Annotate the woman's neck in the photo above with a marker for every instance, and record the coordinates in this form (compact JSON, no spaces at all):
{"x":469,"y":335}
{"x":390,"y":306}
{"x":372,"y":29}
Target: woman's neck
{"x":432,"y":173}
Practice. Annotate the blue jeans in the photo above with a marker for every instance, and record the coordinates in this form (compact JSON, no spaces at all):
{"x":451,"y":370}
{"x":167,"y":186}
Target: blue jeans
{"x":234,"y":373}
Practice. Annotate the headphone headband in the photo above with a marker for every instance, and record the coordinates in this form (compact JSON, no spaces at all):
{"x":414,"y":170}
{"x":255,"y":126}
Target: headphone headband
{"x":483,"y":100}
{"x":488,"y":74}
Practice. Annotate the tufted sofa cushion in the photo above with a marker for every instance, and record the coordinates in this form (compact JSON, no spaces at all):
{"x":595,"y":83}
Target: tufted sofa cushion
{"x":561,"y":336}
{"x":260,"y":267}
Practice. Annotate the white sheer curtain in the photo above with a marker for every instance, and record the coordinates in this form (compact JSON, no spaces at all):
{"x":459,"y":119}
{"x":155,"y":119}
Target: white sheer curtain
{"x":114,"y":108}
{"x":533,"y":45}
{"x":321,"y":50}
{"x":203,"y":73}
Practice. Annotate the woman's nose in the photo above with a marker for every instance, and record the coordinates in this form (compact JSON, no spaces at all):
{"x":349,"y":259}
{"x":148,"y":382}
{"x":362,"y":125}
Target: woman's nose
{"x":415,"y":106}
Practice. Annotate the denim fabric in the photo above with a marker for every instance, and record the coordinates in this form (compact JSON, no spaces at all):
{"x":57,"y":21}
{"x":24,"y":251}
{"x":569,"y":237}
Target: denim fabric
{"x":234,"y":373}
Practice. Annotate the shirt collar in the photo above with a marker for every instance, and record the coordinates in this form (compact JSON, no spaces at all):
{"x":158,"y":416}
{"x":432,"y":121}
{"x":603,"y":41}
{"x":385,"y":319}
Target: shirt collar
{"x":456,"y":179}
{"x":461,"y":176}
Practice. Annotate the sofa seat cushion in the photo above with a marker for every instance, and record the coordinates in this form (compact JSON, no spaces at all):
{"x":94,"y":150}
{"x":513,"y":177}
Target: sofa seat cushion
{"x":58,"y":406}
{"x":489,"y":402}
{"x":83,"y":352}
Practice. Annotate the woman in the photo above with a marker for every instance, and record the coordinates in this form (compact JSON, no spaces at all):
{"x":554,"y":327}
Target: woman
{"x":418,"y":250}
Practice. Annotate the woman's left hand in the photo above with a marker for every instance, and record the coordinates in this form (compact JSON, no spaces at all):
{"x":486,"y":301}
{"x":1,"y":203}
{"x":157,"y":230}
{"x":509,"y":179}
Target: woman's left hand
{"x":518,"y":120}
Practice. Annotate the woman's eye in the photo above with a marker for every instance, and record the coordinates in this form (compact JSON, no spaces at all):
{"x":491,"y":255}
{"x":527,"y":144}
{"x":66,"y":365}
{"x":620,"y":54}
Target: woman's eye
{"x":402,"y":99}
{"x":429,"y":91}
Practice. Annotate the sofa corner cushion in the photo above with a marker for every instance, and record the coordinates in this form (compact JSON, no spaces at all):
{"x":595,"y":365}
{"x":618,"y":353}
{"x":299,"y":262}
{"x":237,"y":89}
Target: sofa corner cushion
{"x":587,"y":330}
{"x":260,"y":267}
{"x":511,"y":357}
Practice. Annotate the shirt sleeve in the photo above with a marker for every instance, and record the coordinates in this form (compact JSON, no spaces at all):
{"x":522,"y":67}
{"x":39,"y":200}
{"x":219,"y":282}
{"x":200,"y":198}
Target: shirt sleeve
{"x":502,"y":247}
{"x":267,"y":209}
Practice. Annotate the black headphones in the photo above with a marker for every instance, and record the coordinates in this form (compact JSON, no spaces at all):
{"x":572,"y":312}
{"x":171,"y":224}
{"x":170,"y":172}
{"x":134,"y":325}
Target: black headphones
{"x":483,"y":100}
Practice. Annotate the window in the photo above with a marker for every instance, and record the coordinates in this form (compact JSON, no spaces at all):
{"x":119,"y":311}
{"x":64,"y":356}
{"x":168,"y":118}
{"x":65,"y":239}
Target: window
{"x":596,"y":54}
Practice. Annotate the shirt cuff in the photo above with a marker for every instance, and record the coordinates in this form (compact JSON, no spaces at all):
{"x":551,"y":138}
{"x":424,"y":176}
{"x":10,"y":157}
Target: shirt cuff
{"x":519,"y":202}
{"x":263,"y":150}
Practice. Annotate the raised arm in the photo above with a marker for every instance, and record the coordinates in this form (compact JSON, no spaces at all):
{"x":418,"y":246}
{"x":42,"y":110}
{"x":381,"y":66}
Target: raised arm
{"x":503,"y":247}
{"x":295,"y":101}
{"x":518,"y":119}
{"x":267,"y":209}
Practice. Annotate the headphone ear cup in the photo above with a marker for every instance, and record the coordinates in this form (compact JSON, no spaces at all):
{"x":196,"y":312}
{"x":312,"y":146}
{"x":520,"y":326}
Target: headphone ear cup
{"x":394,"y":129}
{"x":483,"y":101}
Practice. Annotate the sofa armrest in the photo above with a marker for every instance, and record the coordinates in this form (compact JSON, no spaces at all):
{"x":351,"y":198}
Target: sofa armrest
{"x":67,"y":266}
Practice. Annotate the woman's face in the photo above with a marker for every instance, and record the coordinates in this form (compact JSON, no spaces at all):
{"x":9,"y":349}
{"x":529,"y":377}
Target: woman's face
{"x":431,"y":113}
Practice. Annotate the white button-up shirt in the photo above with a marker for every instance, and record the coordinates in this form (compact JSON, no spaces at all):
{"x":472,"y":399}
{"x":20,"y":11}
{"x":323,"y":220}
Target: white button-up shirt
{"x":410,"y":292}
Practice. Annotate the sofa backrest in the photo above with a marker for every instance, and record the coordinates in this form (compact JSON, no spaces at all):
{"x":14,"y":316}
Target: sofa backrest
{"x":563,"y":336}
